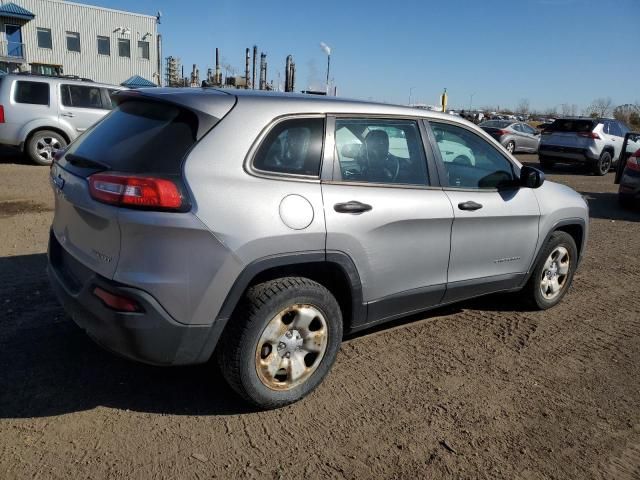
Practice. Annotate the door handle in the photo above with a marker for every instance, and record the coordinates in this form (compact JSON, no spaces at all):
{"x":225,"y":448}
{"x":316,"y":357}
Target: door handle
{"x":469,"y":205}
{"x":352,"y":207}
{"x":67,"y":114}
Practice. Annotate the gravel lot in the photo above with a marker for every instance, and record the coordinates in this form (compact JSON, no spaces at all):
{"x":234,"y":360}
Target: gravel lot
{"x":481,"y":390}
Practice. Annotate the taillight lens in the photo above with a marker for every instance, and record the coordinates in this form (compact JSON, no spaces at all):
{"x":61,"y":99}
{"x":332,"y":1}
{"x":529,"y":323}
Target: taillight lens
{"x":633,"y":163}
{"x":135,"y":191}
{"x":502,"y":132}
{"x":592,"y":135}
{"x":1,"y":113}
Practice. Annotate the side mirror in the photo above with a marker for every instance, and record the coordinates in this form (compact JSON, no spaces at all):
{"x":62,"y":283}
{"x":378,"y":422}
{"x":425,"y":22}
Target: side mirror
{"x":531,"y":177}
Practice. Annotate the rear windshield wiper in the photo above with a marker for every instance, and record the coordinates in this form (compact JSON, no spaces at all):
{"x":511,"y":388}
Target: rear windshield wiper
{"x":85,"y":162}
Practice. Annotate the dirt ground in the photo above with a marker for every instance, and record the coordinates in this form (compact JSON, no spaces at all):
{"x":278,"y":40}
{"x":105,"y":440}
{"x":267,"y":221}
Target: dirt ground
{"x":481,"y":390}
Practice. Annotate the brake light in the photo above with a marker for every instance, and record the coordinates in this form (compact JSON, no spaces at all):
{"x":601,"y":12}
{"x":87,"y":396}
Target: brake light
{"x":117,"y":302}
{"x":135,"y":191}
{"x":592,"y":135}
{"x":633,"y":163}
{"x":503,"y":132}
{"x":1,"y":113}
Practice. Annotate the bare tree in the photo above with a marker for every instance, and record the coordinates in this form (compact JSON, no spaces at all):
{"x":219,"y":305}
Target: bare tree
{"x":600,"y":107}
{"x":523,"y":106}
{"x":550,"y":112}
{"x":569,"y":109}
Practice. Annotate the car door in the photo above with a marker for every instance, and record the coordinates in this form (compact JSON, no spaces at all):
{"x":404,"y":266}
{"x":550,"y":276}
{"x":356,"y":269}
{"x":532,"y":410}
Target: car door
{"x":617,"y":138}
{"x":81,"y":106}
{"x":495,"y":226}
{"x":384,"y":208}
{"x":531,"y":139}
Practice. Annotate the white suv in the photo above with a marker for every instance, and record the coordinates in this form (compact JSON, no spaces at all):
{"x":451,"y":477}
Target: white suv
{"x":596,"y":142}
{"x":42,"y":114}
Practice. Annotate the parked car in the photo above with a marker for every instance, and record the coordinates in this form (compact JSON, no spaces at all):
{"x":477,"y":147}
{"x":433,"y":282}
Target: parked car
{"x":593,"y":142}
{"x":628,"y":172}
{"x":261,"y":228}
{"x":514,"y":136}
{"x":42,"y":114}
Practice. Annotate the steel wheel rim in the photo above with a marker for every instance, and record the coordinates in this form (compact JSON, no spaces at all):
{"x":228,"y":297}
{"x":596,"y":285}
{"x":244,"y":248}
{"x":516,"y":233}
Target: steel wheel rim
{"x":555,"y":273}
{"x":291,"y":347}
{"x":46,"y":147}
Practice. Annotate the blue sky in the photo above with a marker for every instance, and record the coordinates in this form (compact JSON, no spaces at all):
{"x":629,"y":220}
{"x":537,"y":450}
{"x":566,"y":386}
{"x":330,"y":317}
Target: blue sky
{"x":547,"y":51}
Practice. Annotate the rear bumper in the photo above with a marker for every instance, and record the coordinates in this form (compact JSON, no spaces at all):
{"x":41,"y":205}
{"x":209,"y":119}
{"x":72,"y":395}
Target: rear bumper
{"x":151,"y":336}
{"x":568,"y":154}
{"x":630,"y":185}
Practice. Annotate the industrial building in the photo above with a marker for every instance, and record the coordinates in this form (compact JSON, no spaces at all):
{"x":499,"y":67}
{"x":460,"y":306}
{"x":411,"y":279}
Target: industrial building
{"x":56,"y":37}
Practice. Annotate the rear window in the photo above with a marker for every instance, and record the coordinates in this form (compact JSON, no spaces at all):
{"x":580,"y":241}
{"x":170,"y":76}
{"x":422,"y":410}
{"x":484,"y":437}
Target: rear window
{"x":138,"y":137}
{"x":81,"y":96}
{"x":496,"y":124}
{"x":571,"y":126}
{"x":35,"y":93}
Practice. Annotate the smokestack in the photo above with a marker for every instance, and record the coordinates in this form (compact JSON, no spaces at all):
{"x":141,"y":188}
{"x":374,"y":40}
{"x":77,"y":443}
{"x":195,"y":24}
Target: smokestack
{"x":253,"y":79}
{"x":246,"y":69}
{"x":326,"y":49}
{"x":217,"y":78}
{"x":263,"y":71}
{"x":290,"y":74}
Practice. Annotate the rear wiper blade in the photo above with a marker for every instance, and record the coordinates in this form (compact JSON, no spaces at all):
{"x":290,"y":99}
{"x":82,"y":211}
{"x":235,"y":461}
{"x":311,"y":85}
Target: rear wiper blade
{"x":85,"y":162}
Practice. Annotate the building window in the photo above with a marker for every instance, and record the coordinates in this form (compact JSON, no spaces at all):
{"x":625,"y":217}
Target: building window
{"x":44,"y":37}
{"x":143,"y":49}
{"x":124,"y":47}
{"x":104,"y":46}
{"x":35,"y":93}
{"x":73,"y":41}
{"x":44,"y":69}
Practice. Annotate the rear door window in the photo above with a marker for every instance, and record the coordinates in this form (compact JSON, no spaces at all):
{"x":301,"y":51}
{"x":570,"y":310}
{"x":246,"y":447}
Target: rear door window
{"x":138,"y":137}
{"x":572,"y":126}
{"x":614,"y":129}
{"x":81,"y":96}
{"x":35,"y":93}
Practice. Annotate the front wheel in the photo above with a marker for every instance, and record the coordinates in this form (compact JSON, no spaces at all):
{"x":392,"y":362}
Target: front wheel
{"x":602,"y":166}
{"x":553,"y":273}
{"x":281,"y":342}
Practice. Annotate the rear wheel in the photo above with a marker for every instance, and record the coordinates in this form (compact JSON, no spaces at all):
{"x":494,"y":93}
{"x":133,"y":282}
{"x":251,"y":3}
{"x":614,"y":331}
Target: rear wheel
{"x":281,"y":341}
{"x":602,"y":166}
{"x":553,"y":273}
{"x":43,"y":145}
{"x":510,"y":146}
{"x":546,"y":162}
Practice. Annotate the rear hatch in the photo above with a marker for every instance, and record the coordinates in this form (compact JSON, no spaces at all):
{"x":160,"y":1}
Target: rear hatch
{"x":574,"y":133}
{"x":146,"y":137}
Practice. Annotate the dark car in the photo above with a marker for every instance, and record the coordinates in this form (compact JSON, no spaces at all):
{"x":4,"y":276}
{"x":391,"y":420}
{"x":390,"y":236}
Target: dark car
{"x":628,"y":172}
{"x":514,"y":136}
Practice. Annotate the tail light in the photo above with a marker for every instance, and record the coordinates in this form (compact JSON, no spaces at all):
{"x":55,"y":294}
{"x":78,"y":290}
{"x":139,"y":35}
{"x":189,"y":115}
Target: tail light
{"x":592,"y":135}
{"x":1,"y":113}
{"x":633,"y":163}
{"x":502,"y":132}
{"x":136,"y":191}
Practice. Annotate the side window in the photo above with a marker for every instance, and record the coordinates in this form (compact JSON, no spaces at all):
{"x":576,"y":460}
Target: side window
{"x":605,"y":127}
{"x":517,"y":127}
{"x":469,"y":160}
{"x":527,"y":129}
{"x":292,"y":147}
{"x":36,"y":93}
{"x":104,"y":45}
{"x":380,"y":151}
{"x":614,"y":129}
{"x":73,"y":41}
{"x":80,"y":96}
{"x":44,"y":37}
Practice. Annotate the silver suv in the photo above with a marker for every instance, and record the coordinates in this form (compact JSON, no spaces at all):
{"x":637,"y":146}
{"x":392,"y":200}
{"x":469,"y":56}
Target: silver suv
{"x":260,"y":228}
{"x":42,"y":114}
{"x":595,"y":142}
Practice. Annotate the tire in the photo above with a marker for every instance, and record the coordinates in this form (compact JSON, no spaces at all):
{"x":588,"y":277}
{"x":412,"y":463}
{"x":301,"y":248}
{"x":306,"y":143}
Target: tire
{"x":510,"y":146}
{"x":603,"y":165}
{"x":267,"y":338}
{"x":43,"y":144}
{"x":546,"y":162}
{"x":560,"y":242}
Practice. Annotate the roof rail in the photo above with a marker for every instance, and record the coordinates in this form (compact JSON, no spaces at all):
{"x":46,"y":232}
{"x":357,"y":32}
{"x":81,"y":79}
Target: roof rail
{"x":68,"y":77}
